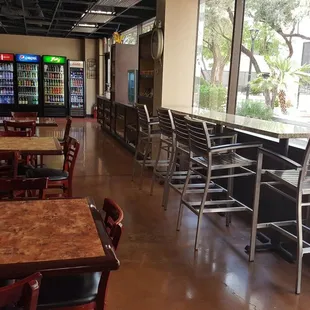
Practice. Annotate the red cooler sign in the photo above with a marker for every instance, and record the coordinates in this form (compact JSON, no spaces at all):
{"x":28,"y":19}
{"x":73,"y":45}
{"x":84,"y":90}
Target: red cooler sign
{"x":6,"y":57}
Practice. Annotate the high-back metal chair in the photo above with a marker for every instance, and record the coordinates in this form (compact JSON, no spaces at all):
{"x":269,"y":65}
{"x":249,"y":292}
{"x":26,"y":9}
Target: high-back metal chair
{"x":167,"y":144}
{"x":23,"y":293}
{"x":147,"y":134}
{"x":294,"y":185}
{"x":205,"y":159}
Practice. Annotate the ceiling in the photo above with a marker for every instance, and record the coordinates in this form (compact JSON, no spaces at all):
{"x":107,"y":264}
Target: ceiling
{"x":73,"y":18}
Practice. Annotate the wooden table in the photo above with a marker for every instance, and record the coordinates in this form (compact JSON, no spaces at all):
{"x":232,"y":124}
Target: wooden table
{"x":273,"y":129}
{"x":53,"y":236}
{"x":31,"y":145}
{"x":40,"y":121}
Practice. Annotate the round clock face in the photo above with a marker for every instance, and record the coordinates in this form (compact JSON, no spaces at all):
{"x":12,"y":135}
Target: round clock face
{"x":157,"y":43}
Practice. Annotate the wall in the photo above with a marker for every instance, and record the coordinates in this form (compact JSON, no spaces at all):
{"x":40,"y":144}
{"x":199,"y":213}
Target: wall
{"x":71,"y":48}
{"x":90,"y":52}
{"x":126,"y":59}
{"x":180,"y":35}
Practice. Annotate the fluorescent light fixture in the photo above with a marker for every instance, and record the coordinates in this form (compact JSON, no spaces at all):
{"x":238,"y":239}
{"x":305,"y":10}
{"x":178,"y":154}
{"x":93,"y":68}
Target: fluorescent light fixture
{"x":87,"y":25}
{"x":102,"y":12}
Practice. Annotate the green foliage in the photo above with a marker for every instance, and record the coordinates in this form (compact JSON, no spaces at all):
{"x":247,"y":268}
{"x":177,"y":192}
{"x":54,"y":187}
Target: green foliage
{"x":254,"y":109}
{"x":213,"y":97}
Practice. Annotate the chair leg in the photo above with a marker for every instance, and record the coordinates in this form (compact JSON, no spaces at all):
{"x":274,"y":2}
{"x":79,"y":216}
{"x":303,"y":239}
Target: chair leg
{"x":202,"y":205}
{"x":299,"y":244}
{"x":171,"y":169}
{"x":147,"y":150}
{"x":135,"y":160}
{"x":256,"y":206}
{"x":155,"y":167}
{"x":180,"y":215}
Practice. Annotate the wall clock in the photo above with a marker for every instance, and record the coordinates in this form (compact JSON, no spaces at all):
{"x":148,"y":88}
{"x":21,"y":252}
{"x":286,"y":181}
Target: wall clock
{"x":157,"y":41}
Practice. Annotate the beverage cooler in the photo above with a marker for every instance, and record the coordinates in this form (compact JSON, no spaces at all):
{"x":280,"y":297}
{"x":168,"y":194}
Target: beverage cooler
{"x":7,"y":93}
{"x":54,"y":86}
{"x":28,"y":74}
{"x":76,"y":78}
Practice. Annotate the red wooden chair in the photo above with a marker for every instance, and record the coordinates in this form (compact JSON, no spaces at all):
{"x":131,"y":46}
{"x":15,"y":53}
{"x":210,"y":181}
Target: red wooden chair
{"x":67,"y":130}
{"x":24,"y":115}
{"x":8,"y":164}
{"x":15,"y":133}
{"x":83,"y":291}
{"x":60,"y":179}
{"x":23,"y":188}
{"x":24,"y":293}
{"x":20,"y":126}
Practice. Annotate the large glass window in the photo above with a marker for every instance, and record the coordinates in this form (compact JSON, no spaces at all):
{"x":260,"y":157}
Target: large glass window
{"x":215,"y":32}
{"x":130,"y":36}
{"x":273,"y":79}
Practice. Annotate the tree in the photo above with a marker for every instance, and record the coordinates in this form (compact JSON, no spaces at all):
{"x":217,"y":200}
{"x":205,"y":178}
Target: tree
{"x":282,"y":71}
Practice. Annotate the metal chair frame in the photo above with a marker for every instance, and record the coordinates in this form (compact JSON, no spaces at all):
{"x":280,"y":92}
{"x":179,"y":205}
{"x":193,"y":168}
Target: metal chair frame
{"x":146,"y":137}
{"x":296,"y":179}
{"x":213,"y":158}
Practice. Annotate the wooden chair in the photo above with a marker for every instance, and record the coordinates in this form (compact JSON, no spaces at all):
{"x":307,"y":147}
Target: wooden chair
{"x":83,"y":291}
{"x":67,"y":130}
{"x":14,"y":133}
{"x":8,"y":164}
{"x":20,"y":126}
{"x":24,"y":293}
{"x":24,"y":115}
{"x":60,"y":179}
{"x":23,"y":188}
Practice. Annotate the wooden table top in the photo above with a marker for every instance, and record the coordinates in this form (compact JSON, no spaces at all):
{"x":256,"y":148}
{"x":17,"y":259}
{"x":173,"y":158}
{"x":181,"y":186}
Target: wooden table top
{"x":49,"y":235}
{"x":268,"y":128}
{"x":40,"y":121}
{"x":31,"y":145}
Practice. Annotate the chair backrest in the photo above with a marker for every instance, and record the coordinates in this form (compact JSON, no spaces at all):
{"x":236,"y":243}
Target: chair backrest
{"x":71,"y":153}
{"x":166,"y":123}
{"x":8,"y":164}
{"x":25,"y":293}
{"x":305,"y":172}
{"x":20,"y":126}
{"x":181,"y":132}
{"x":15,"y":133}
{"x":24,"y":188}
{"x":143,"y":118}
{"x":68,"y":127}
{"x":23,"y":115}
{"x":112,"y":220}
{"x":199,"y":139}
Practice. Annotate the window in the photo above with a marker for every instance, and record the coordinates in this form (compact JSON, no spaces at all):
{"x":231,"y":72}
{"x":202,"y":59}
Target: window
{"x":130,"y":36}
{"x":148,"y":25}
{"x":215,"y":31}
{"x":273,"y":78}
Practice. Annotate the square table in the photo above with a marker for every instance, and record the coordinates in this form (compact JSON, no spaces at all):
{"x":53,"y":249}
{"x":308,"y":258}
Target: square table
{"x":53,"y":236}
{"x":40,"y":121}
{"x":31,"y":145}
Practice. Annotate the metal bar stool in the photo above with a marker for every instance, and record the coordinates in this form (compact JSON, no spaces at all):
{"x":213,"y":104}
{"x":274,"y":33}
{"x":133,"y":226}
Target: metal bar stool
{"x":213,"y":158}
{"x":177,"y":176}
{"x":296,"y":179}
{"x":146,"y":136}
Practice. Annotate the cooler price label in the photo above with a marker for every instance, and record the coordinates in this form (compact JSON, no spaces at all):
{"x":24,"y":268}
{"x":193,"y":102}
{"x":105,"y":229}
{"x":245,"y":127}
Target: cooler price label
{"x":6,"y":57}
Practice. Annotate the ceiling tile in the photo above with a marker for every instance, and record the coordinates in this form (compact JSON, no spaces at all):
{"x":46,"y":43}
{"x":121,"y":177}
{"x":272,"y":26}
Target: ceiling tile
{"x":118,"y":3}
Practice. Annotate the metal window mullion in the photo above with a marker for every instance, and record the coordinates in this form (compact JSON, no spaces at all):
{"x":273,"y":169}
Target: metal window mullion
{"x":235,"y":56}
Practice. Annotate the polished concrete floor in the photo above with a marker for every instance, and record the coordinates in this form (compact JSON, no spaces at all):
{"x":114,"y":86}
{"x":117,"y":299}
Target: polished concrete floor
{"x":159,"y":268}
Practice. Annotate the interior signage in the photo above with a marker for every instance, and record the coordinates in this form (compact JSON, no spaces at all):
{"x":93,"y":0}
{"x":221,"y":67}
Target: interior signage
{"x":54,"y":59}
{"x":27,"y":58}
{"x":6,"y":57}
{"x":76,"y":64}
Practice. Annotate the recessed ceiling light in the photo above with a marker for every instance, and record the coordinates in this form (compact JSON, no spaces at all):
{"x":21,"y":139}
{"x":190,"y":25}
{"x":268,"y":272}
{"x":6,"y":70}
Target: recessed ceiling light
{"x":87,"y":25}
{"x":102,"y":12}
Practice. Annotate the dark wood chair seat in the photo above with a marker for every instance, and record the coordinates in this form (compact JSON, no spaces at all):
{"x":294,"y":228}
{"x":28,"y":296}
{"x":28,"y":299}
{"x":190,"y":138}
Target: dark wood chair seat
{"x":51,"y":174}
{"x":74,"y":290}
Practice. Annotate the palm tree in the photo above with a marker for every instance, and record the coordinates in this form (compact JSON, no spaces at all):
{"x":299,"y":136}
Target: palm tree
{"x":275,"y":83}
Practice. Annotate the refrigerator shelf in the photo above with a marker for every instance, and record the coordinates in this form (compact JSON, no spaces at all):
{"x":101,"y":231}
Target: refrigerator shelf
{"x":53,"y":103}
{"x":55,"y":94}
{"x":26,"y":78}
{"x":6,"y":70}
{"x":48,"y":71}
{"x":28,"y":95}
{"x":7,"y":86}
{"x":6,"y":94}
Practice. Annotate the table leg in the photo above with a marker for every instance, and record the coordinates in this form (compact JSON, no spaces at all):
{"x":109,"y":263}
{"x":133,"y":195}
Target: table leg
{"x":284,"y":145}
